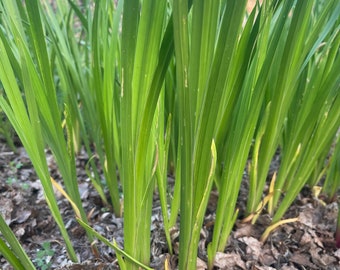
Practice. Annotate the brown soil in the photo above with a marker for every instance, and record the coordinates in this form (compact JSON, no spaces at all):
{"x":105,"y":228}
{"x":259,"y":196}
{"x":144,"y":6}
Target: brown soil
{"x":306,"y":244}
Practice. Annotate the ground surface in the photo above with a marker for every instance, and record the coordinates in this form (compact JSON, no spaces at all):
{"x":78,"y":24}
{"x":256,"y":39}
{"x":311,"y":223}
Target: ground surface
{"x":306,"y":244}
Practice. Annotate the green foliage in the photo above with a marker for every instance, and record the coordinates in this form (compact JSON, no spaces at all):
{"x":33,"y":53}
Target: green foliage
{"x":33,"y":111}
{"x":6,"y":131}
{"x":12,"y":250}
{"x":194,"y":88}
{"x":43,"y":256}
{"x":332,"y":181}
{"x":304,"y":115}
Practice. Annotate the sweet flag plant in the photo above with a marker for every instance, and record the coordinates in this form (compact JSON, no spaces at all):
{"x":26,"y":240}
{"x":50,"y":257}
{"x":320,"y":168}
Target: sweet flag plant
{"x":199,"y":90}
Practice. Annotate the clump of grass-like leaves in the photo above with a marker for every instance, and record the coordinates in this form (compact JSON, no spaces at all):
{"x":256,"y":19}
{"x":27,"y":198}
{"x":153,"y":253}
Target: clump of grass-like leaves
{"x":194,"y":88}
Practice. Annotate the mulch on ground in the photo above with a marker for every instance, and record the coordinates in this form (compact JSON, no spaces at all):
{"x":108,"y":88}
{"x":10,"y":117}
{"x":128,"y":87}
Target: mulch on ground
{"x":306,"y":244}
